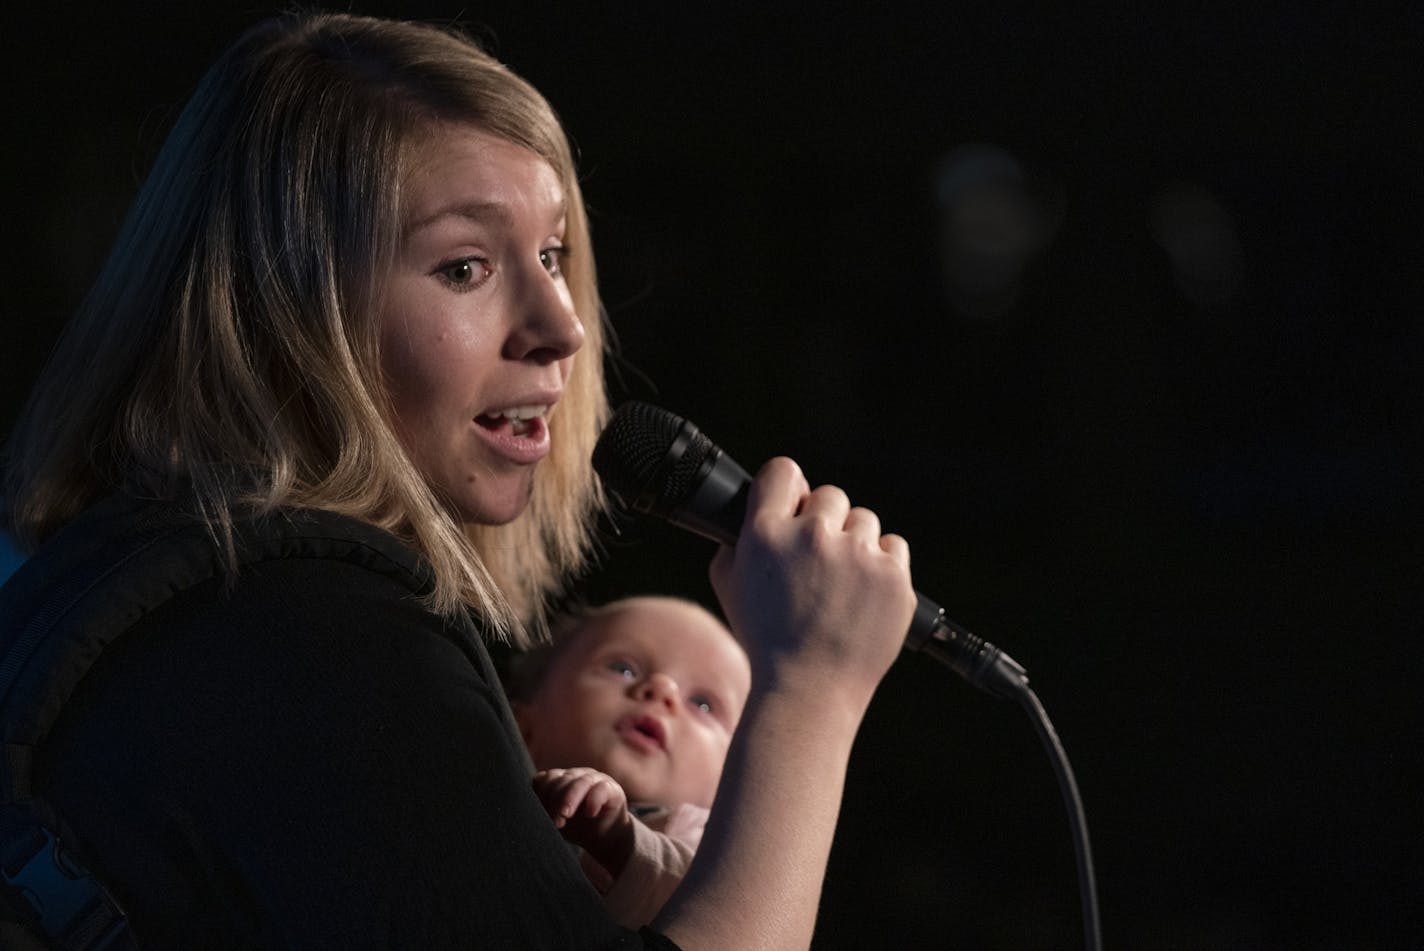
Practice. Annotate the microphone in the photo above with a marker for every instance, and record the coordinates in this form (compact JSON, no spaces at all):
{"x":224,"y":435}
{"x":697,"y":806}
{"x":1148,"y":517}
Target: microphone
{"x":657,"y":463}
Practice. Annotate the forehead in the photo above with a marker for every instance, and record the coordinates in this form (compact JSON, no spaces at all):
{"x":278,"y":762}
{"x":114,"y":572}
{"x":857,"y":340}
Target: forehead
{"x":457,"y":169}
{"x":670,"y":632}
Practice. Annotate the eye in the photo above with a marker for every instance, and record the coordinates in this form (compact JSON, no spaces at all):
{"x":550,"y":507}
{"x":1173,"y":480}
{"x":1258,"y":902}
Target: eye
{"x":702,"y":703}
{"x":553,"y":259}
{"x":464,"y":274}
{"x":623,"y":668}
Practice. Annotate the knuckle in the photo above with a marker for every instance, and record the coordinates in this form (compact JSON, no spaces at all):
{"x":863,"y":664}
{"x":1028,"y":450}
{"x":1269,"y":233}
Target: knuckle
{"x":865,"y":518}
{"x":782,"y":466}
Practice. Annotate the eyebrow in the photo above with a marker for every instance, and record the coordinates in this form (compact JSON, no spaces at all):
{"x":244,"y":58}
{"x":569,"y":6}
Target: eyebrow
{"x":479,"y":212}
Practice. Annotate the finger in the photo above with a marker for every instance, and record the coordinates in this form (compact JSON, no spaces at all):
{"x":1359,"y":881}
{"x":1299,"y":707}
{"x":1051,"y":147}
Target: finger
{"x":827,"y":503}
{"x":778,"y":488}
{"x":563,"y":777}
{"x":897,"y":548}
{"x":598,"y":799}
{"x":550,"y":796}
{"x":578,"y":790}
{"x":561,"y":798}
{"x":863,"y":524}
{"x":547,"y":784}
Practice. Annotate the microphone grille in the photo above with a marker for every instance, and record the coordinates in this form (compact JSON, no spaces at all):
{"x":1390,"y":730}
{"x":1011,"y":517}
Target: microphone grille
{"x":632,"y":456}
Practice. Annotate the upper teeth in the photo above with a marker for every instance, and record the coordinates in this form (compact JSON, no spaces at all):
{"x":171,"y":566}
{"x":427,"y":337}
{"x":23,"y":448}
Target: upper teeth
{"x":523,"y":412}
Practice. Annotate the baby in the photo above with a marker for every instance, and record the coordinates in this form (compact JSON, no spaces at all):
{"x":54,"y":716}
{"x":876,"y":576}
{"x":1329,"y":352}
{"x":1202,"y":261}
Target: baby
{"x":628,"y":716}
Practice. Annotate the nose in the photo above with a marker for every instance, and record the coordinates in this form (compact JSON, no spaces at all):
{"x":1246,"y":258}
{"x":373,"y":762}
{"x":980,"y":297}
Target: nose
{"x":658,"y":688}
{"x":544,"y":327}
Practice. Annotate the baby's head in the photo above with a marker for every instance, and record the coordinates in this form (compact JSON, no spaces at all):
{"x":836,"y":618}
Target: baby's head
{"x":646,"y":689}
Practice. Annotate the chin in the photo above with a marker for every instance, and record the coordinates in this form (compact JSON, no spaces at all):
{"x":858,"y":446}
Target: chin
{"x":495,"y":508}
{"x":490,"y":515}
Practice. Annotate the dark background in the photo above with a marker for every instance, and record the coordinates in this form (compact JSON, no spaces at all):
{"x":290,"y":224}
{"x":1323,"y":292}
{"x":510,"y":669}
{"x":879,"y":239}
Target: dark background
{"x":1137,"y":375}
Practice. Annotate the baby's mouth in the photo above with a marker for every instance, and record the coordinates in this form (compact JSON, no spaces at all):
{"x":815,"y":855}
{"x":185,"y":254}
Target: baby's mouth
{"x":650,"y":728}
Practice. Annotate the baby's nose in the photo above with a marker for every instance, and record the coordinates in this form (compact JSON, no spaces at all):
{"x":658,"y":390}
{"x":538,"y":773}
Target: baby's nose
{"x":659,"y":688}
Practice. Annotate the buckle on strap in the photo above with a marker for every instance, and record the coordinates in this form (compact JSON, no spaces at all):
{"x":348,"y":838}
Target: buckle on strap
{"x":74,"y":910}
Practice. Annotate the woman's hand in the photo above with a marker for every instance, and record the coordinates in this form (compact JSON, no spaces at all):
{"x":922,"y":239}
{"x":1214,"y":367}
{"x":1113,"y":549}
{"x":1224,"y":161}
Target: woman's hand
{"x":821,"y":601}
{"x":820,"y":598}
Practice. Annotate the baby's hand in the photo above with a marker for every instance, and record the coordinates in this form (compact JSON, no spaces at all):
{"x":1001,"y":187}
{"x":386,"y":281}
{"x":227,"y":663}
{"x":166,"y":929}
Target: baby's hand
{"x":591,"y":810}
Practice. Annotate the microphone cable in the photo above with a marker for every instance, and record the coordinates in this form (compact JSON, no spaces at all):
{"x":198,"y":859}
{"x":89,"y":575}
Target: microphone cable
{"x":981,"y":663}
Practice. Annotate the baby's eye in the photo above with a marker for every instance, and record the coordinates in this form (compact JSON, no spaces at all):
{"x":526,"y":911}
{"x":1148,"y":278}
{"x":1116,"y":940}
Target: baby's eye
{"x":465,"y":273}
{"x":553,"y":260}
{"x":623,"y":669}
{"x":701,"y":703}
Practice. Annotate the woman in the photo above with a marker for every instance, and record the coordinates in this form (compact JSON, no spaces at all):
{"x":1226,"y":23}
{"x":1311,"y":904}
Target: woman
{"x":346,"y":354}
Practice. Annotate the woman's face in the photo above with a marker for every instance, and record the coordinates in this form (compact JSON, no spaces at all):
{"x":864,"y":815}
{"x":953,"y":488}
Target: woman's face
{"x":478,"y":330}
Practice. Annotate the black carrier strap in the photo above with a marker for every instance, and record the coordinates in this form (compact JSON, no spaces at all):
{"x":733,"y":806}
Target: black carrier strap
{"x":57,"y":614}
{"x":50,"y":898}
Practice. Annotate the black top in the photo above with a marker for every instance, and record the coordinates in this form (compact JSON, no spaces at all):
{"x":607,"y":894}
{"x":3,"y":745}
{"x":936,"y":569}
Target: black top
{"x":307,"y":758}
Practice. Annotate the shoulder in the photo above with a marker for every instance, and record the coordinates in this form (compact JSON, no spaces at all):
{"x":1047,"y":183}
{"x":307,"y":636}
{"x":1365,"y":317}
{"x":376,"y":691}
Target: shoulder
{"x":128,"y":550}
{"x":315,"y":588}
{"x":125,"y":558}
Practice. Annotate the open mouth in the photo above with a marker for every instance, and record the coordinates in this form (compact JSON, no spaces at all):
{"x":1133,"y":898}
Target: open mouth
{"x":516,"y":421}
{"x":520,"y":434}
{"x":645,"y":731}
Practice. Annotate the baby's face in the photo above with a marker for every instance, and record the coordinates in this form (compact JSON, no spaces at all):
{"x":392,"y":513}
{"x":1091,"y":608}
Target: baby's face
{"x":650,"y":695}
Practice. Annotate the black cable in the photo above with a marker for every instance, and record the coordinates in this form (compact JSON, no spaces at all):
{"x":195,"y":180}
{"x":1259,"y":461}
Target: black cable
{"x":1087,"y":887}
{"x":996,"y":673}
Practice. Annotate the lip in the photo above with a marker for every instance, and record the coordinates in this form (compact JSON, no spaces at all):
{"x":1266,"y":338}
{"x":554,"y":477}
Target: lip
{"x":522,"y":450}
{"x":527,"y":448}
{"x":643,"y":732}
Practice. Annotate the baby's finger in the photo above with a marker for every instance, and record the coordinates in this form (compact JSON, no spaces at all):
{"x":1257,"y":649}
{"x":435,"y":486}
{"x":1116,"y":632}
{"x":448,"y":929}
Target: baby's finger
{"x":547,"y":784}
{"x":576,"y":790}
{"x":549,"y":789}
{"x":600,"y":797}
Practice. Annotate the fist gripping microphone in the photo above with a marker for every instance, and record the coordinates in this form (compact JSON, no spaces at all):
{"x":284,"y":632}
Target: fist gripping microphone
{"x":657,"y":463}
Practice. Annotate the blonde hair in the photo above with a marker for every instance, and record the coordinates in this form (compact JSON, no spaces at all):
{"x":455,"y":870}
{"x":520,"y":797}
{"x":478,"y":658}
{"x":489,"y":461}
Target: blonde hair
{"x":227,"y":356}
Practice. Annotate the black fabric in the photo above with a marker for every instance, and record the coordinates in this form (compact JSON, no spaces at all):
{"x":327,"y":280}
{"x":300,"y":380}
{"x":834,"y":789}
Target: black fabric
{"x":307,"y":758}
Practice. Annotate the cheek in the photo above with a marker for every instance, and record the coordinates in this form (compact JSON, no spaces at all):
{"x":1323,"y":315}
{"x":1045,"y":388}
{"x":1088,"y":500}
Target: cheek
{"x":714,"y":745}
{"x":403,"y":359}
{"x":436,"y":363}
{"x":579,"y":705}
{"x":401,"y":373}
{"x":410,"y":398}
